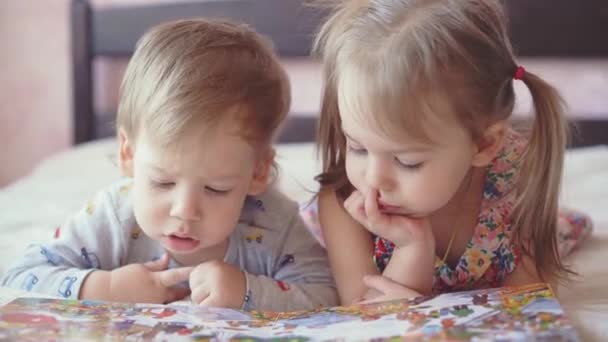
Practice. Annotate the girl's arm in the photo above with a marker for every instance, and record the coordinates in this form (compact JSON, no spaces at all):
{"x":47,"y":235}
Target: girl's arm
{"x":525,"y":273}
{"x":412,"y":262}
{"x":574,"y":227}
{"x":349,"y":247}
{"x":413,"y":267}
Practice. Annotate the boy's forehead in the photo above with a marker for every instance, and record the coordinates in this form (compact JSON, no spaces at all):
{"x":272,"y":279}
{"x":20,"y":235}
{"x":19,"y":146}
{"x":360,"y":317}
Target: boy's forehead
{"x":213,"y":151}
{"x":190,"y":126}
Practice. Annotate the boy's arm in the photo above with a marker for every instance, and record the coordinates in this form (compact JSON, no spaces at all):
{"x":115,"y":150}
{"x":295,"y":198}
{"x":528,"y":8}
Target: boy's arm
{"x":86,"y":242}
{"x":301,"y":277}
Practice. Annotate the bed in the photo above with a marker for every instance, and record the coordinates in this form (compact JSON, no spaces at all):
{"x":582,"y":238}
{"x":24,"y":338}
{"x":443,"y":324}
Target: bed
{"x":33,"y":206}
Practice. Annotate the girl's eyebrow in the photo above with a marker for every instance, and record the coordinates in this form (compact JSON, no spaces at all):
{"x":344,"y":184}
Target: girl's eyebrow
{"x":348,"y":136}
{"x":416,"y":149}
{"x":413,"y":149}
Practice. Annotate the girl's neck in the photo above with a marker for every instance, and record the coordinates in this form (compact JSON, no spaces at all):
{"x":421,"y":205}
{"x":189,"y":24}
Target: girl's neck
{"x":461,"y":213}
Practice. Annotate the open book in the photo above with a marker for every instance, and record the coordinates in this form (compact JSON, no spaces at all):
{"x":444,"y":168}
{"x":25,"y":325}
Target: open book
{"x":506,"y":314}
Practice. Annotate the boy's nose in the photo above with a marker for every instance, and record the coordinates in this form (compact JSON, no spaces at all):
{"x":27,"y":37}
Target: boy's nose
{"x":186,"y":208}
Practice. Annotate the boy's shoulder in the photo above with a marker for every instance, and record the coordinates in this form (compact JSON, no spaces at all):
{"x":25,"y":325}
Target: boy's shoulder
{"x":270,"y":210}
{"x":118,"y":196}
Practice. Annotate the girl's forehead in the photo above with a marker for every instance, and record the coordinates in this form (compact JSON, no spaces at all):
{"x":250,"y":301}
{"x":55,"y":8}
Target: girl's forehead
{"x":377,"y":131}
{"x":378,"y":125}
{"x":402,"y":112}
{"x":372,"y":138}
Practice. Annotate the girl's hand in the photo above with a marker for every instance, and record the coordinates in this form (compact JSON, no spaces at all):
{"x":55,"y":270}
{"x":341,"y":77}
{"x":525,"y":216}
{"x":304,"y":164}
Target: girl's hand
{"x":218,"y":284}
{"x":151,"y":282}
{"x":398,"y":229}
{"x":383,"y":289}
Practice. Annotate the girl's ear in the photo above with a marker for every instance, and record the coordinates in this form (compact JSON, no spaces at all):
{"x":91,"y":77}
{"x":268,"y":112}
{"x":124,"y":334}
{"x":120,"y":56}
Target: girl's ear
{"x":125,"y":154}
{"x":490,"y":142}
{"x":262,"y":173}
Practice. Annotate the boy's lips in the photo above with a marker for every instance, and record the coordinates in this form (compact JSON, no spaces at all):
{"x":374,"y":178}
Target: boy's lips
{"x":180,"y":243}
{"x":180,"y":235}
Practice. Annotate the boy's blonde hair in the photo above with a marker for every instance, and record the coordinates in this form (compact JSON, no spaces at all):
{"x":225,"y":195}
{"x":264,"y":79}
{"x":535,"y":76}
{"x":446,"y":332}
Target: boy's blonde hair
{"x":414,"y":62}
{"x":189,"y":75}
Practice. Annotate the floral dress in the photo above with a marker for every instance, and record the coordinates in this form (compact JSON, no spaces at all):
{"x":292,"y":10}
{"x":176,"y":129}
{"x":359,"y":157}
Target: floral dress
{"x":489,"y":256}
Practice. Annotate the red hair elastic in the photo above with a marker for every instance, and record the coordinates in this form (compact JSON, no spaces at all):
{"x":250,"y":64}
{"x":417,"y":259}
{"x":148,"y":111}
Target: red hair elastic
{"x":519,"y":73}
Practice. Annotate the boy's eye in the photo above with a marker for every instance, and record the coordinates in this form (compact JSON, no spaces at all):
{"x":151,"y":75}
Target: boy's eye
{"x":216,"y":190}
{"x":408,"y":165}
{"x":162,"y":184}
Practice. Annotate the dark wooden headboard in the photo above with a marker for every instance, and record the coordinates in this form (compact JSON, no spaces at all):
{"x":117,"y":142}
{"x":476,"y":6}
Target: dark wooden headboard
{"x":540,"y":28}
{"x":112,"y":32}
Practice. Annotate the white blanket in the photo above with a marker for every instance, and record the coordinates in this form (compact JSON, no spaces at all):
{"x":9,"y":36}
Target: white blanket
{"x":31,"y":208}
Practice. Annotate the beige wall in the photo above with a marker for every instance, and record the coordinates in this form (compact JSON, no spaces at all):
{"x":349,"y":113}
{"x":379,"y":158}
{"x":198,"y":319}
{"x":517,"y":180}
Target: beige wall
{"x":35,"y":81}
{"x":34,"y":78}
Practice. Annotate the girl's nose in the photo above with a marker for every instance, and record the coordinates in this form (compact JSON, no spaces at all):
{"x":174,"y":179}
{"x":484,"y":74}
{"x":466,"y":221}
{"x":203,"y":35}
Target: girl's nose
{"x":377,"y":176}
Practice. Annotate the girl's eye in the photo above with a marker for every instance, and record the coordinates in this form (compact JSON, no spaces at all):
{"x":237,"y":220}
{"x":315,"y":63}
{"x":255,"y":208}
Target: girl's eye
{"x":408,"y":165}
{"x":216,"y":191}
{"x":356,"y":149}
{"x":162,"y":184}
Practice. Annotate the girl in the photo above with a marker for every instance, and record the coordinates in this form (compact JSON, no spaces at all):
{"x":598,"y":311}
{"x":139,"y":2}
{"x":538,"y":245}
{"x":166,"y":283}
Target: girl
{"x":417,"y":148}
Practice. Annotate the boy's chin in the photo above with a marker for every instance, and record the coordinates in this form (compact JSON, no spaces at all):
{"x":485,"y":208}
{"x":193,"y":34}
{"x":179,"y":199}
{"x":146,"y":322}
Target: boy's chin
{"x":201,"y":253}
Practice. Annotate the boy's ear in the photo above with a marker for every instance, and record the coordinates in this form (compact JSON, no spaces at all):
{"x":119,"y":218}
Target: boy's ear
{"x":490,"y":142}
{"x":125,"y":154}
{"x":262,"y":173}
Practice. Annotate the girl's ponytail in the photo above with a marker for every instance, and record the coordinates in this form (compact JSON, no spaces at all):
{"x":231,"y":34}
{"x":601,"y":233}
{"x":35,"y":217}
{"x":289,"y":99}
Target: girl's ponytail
{"x":540,"y":178}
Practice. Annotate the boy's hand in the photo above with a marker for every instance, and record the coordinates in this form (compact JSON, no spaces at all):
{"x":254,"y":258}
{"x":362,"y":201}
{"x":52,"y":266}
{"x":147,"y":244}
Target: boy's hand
{"x":398,"y":229}
{"x":151,"y":282}
{"x":218,"y":284}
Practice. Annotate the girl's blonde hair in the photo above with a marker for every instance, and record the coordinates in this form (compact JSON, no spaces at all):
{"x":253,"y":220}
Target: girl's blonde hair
{"x":191,"y":72}
{"x":413,"y":62}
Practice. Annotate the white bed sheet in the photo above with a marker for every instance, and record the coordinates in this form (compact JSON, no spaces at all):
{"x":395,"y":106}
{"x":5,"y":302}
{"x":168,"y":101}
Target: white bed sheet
{"x":32,"y":207}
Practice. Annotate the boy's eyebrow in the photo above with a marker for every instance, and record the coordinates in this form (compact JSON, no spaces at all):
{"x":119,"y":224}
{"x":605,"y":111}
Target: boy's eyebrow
{"x":226,"y":177}
{"x":156,"y":167}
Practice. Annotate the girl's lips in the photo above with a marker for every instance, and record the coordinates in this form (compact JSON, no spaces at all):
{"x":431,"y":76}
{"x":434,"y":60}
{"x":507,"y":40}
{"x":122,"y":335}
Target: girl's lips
{"x":392,"y":209}
{"x":387,"y":207}
{"x":177,"y":243}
